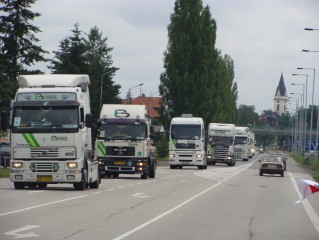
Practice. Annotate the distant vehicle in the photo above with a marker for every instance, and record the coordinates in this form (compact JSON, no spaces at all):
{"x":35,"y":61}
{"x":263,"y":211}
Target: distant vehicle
{"x":261,"y":150}
{"x":5,"y":155}
{"x":272,"y":164}
{"x":187,"y":142}
{"x":284,"y":158}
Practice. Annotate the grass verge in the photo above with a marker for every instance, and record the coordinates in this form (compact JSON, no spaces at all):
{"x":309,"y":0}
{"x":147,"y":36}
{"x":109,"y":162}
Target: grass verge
{"x":4,"y":173}
{"x":300,"y":160}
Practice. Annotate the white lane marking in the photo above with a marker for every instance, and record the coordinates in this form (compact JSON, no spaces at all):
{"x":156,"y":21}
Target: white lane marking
{"x":16,"y":233}
{"x":124,"y":235}
{"x":41,"y":205}
{"x":107,"y":190}
{"x":309,"y":209}
{"x":140,"y":195}
{"x":96,"y":192}
{"x":165,"y":213}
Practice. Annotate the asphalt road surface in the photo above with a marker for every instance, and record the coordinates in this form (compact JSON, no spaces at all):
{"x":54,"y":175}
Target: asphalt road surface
{"x":219,"y":203}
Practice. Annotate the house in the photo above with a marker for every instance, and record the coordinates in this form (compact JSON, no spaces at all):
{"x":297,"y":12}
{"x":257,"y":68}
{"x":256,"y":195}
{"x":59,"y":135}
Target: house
{"x":152,"y":104}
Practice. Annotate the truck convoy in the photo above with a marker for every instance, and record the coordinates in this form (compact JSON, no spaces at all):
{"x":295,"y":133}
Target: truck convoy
{"x":187,"y":142}
{"x":221,"y":143}
{"x":123,"y":144}
{"x":242,"y":143}
{"x":51,"y":132}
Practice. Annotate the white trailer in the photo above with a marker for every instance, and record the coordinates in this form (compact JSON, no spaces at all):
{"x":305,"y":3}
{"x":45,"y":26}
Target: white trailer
{"x":51,"y":132}
{"x":123,"y":144}
{"x":242,"y":143}
{"x":220,"y":143}
{"x":187,"y":142}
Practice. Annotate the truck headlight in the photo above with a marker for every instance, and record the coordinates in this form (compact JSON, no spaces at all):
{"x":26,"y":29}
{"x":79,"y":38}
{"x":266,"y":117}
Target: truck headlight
{"x":199,"y":155}
{"x":172,"y":155}
{"x":17,"y":165}
{"x":72,"y":165}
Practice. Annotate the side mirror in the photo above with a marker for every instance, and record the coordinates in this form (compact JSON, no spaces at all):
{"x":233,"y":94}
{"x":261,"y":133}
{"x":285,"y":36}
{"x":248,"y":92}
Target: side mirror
{"x":4,"y":125}
{"x":88,"y":120}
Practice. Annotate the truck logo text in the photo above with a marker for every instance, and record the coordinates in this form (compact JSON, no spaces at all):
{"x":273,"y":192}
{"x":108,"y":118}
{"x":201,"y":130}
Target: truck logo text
{"x":121,"y":113}
{"x":55,"y":138}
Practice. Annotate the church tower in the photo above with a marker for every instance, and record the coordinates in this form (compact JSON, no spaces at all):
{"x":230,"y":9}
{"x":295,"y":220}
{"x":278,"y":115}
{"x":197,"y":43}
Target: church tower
{"x":280,"y":98}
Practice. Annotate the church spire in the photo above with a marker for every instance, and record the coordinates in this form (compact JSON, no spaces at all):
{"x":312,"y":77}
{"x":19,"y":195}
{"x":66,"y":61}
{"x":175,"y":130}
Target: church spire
{"x":280,"y":98}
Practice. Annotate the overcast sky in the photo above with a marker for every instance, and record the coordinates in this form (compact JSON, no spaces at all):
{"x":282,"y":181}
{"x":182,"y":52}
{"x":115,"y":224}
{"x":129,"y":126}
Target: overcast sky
{"x":265,"y":39}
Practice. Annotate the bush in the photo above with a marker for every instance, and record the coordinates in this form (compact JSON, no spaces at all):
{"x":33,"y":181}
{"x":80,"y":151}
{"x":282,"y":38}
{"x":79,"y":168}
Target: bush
{"x":162,"y":146}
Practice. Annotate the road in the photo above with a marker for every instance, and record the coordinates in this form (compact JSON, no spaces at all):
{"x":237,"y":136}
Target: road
{"x":218,"y":203}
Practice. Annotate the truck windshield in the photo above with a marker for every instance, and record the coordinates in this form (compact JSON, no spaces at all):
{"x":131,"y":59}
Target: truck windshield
{"x":126,"y":132}
{"x":220,"y":141}
{"x":241,"y":140}
{"x":185,"y":131}
{"x":45,"y":119}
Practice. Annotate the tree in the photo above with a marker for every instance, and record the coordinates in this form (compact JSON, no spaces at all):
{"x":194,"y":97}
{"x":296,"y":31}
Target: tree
{"x":99,"y":58}
{"x":71,"y":55}
{"x":17,"y":44}
{"x":247,"y":115}
{"x":192,"y":76}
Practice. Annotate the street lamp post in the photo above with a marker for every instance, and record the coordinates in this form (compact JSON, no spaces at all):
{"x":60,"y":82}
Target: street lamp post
{"x":311,"y":113}
{"x":304,"y":133}
{"x":129,"y":92}
{"x":296,"y":133}
{"x":300,"y":118}
{"x":110,"y":70}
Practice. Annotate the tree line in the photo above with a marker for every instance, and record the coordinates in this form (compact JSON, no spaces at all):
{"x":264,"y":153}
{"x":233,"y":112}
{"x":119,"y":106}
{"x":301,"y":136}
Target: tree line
{"x":197,"y":77}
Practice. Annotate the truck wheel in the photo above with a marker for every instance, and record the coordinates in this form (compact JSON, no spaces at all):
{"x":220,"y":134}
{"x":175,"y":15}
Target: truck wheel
{"x":144,"y":175}
{"x":152,"y":173}
{"x":81,"y":185}
{"x":42,"y":185}
{"x":96,"y":183}
{"x":19,"y":185}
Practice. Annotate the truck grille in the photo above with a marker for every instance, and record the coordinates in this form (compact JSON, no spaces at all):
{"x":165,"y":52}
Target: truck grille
{"x":44,"y":153}
{"x":47,"y":167}
{"x":220,"y":152}
{"x":120,"y":151}
{"x":185,"y":146}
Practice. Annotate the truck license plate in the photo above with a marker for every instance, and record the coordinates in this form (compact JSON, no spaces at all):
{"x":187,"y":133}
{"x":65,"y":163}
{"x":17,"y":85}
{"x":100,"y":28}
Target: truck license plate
{"x":119,"y":163}
{"x":44,"y":178}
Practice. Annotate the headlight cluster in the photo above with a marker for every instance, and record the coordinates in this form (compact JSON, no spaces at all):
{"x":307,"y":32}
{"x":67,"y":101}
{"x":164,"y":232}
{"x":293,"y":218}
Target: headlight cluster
{"x":17,"y":165}
{"x":199,"y":155}
{"x":72,"y":165}
{"x":172,"y":155}
{"x":142,"y":164}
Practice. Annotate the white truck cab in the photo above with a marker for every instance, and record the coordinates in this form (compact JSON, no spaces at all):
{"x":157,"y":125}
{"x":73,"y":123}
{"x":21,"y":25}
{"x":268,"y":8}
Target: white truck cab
{"x":123,"y":144}
{"x":51,"y":132}
{"x":187,"y":142}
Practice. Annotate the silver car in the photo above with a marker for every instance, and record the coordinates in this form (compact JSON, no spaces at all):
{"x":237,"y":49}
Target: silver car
{"x":272,"y":164}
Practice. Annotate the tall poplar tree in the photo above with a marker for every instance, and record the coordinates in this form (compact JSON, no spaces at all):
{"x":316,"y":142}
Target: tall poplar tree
{"x":196,"y":79}
{"x":18,"y":44}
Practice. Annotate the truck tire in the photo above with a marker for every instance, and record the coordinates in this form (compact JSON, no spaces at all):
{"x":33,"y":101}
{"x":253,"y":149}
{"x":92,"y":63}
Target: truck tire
{"x":19,"y":185}
{"x":96,"y":184}
{"x":144,"y":175}
{"x":83,"y":184}
{"x":152,"y":172}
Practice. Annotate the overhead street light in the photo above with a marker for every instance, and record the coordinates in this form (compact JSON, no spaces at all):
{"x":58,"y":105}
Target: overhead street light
{"x":306,"y":50}
{"x":129,"y":92}
{"x":110,"y":70}
{"x":311,"y":29}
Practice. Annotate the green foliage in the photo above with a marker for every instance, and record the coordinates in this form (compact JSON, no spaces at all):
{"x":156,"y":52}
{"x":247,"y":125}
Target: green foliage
{"x":4,"y":173}
{"x":197,"y":79}
{"x":17,"y":44}
{"x":91,"y":55}
{"x":246,"y":115}
{"x":162,"y":146}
